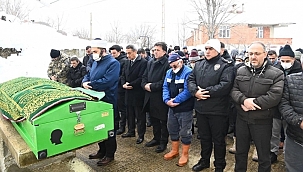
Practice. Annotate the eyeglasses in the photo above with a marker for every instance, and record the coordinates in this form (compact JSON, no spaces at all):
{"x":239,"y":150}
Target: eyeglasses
{"x":210,"y":48}
{"x":272,"y":58}
{"x":255,"y":53}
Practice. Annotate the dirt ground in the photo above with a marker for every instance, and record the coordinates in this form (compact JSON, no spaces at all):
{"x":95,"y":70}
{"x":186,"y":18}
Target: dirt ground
{"x":131,"y":157}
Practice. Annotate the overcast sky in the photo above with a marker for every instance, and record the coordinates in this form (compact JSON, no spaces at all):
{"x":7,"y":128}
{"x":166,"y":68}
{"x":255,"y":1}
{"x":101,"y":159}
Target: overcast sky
{"x":135,"y":12}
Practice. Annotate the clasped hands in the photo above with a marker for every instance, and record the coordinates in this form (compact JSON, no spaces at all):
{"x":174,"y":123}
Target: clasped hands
{"x":147,"y":87}
{"x":171,"y":103}
{"x":249,"y":105}
{"x":127,"y":86}
{"x":201,"y":94}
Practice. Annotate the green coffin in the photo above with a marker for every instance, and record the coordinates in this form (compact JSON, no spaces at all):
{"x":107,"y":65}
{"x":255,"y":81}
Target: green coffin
{"x":67,"y":122}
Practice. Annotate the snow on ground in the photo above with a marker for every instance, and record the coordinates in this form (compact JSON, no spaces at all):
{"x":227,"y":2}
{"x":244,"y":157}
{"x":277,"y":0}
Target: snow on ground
{"x":36,"y":42}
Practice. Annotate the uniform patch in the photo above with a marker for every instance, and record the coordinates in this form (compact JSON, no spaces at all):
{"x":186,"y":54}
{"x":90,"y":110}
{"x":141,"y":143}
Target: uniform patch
{"x":217,"y":66}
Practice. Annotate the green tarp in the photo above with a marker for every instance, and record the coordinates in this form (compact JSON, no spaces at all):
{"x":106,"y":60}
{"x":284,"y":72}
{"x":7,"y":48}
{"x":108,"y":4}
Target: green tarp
{"x":26,"y":98}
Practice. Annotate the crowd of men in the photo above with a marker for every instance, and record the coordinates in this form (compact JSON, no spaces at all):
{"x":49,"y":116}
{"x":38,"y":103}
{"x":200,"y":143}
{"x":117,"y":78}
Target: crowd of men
{"x":257,"y":94}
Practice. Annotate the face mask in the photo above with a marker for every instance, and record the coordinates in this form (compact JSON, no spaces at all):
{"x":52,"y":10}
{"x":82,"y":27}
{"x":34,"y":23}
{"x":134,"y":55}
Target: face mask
{"x":96,"y":57}
{"x":286,"y":65}
{"x":176,"y":70}
{"x":192,"y":65}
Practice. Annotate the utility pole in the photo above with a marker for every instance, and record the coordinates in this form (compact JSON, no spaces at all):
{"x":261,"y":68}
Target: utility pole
{"x":163,"y":21}
{"x":91,"y":26}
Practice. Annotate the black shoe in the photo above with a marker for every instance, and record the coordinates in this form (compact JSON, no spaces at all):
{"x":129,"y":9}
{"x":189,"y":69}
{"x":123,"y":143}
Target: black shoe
{"x":96,"y":156}
{"x":120,"y":131}
{"x":161,"y":148}
{"x":218,"y":169}
{"x":139,"y":140}
{"x":273,"y":157}
{"x":128,"y":135}
{"x":152,"y":143}
{"x":202,"y":164}
{"x":104,"y":161}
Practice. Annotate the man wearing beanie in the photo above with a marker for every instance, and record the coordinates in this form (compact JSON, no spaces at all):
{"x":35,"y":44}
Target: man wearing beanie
{"x":210,"y":83}
{"x":288,"y":62}
{"x":289,"y":65}
{"x":256,"y":93}
{"x":291,"y":109}
{"x":58,"y":67}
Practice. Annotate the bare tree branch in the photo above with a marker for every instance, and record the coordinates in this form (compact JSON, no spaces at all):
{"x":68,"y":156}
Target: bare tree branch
{"x":213,"y":13}
{"x":146,"y":33}
{"x":116,"y":34}
{"x":14,"y":7}
{"x":59,"y":22}
{"x":183,"y":32}
{"x":82,"y":33}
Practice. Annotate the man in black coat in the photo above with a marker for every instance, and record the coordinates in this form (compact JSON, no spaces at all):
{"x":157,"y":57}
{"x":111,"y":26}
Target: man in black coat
{"x":115,"y":50}
{"x":289,"y":65}
{"x":134,"y":95}
{"x":87,"y":57}
{"x":224,"y":53}
{"x":210,"y":82}
{"x":75,"y":73}
{"x":256,"y":92}
{"x":291,"y":108}
{"x":152,"y":83}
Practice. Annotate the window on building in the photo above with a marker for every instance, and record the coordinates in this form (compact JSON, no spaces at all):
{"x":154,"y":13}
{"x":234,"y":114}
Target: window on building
{"x":224,"y":32}
{"x":260,"y":32}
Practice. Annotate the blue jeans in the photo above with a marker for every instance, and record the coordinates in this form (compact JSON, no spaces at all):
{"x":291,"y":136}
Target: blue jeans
{"x":293,"y":156}
{"x":179,"y":125}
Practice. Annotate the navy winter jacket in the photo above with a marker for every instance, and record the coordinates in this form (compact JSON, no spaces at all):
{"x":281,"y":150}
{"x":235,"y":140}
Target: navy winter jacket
{"x":175,"y":86}
{"x":104,"y":76}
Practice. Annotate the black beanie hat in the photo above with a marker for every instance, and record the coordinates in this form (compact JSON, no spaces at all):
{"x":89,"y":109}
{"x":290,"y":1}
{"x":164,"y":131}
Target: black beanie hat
{"x":54,"y":53}
{"x":286,"y":51}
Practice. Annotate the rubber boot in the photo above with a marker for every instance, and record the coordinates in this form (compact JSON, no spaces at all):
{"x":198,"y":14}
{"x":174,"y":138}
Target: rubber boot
{"x":174,"y":151}
{"x":233,"y":148}
{"x":184,"y":157}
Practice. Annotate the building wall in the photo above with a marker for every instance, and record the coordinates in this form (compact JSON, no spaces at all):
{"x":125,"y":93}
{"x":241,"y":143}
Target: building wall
{"x":240,"y":37}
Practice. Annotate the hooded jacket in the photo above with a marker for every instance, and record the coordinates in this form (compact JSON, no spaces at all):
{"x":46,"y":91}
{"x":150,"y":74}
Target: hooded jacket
{"x":265,"y":84}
